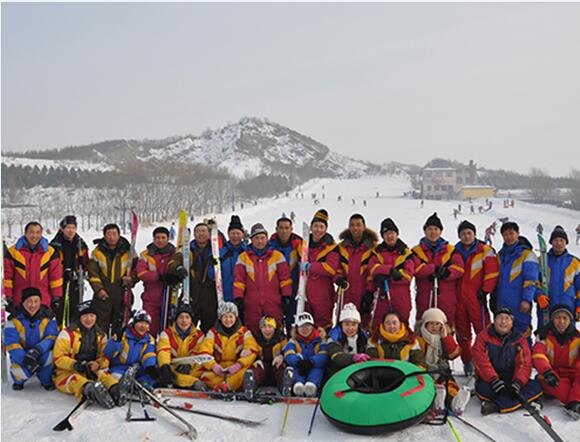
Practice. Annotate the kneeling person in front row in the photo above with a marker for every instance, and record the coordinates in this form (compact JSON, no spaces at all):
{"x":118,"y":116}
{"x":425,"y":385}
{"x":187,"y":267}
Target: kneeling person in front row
{"x":81,"y":366}
{"x":29,"y":336}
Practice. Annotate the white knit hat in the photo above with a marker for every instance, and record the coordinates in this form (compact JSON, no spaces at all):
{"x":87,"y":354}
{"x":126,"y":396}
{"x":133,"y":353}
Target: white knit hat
{"x":349,"y":313}
{"x":227,"y":307}
{"x":304,"y":318}
{"x":434,"y":315}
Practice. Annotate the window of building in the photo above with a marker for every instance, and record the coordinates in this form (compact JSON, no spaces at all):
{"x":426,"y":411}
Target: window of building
{"x":449,"y":173}
{"x":436,"y":187}
{"x":428,"y":187}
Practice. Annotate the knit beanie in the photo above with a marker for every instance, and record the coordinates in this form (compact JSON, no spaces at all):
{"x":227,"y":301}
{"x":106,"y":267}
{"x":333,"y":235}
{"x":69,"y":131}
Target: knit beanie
{"x":388,"y":225}
{"x":349,"y":313}
{"x":235,"y":223}
{"x":434,"y":315}
{"x":433,"y":220}
{"x":321,"y":216}
{"x":465,"y":225}
{"x":559,"y":232}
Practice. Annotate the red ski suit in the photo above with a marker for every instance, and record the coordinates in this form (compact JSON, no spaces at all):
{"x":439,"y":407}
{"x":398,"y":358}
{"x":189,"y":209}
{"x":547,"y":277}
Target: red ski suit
{"x":320,"y":295}
{"x":426,"y":260}
{"x":382,"y":262}
{"x":354,"y":263}
{"x":481,"y":273}
{"x":40,"y":268}
{"x":261,"y":281}
{"x":563,"y":358}
{"x":152,"y":264}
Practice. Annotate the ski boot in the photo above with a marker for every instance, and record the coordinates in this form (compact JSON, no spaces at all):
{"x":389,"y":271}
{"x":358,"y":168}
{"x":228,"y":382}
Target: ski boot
{"x":488,"y":407}
{"x":573,"y":410}
{"x":288,"y":381}
{"x":124,"y":386}
{"x":298,"y":389}
{"x":199,"y":386}
{"x":249,"y":385}
{"x":440,"y":395}
{"x":97,"y":393}
{"x":310,"y":389}
{"x":459,"y":402}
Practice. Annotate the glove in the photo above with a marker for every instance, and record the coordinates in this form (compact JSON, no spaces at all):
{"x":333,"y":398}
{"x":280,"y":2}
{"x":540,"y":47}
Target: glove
{"x":443,"y":272}
{"x":9,"y":305}
{"x":55,"y":305}
{"x":360,"y":357}
{"x":233,"y":369}
{"x":181,"y":272}
{"x":341,"y":282}
{"x":396,"y":274}
{"x":183,"y":368}
{"x":166,"y":375}
{"x":380,"y":279}
{"x":81,"y":367}
{"x":217,"y":369}
{"x":68,"y":274}
{"x":31,"y":359}
{"x":516,"y":388}
{"x":170,"y":279}
{"x":366,"y":302}
{"x":304,"y":366}
{"x":543,"y":301}
{"x":305,"y":267}
{"x":482,"y":296}
{"x":498,"y":386}
{"x":551,"y":378}
{"x":240,"y":305}
{"x":152,"y":372}
{"x":286,"y":302}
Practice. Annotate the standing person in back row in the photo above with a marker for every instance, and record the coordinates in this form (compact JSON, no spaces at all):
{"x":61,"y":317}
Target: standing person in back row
{"x":109,"y":274}
{"x":202,"y":291}
{"x":262,"y":284}
{"x":32,"y":262}
{"x":518,"y":277}
{"x":322,"y":269}
{"x":438,"y":267}
{"x":74,"y":257}
{"x":290,"y":245}
{"x":356,"y":249}
{"x":152,"y":270}
{"x":478,"y":281}
{"x":392,"y":263}
{"x":564,"y":276}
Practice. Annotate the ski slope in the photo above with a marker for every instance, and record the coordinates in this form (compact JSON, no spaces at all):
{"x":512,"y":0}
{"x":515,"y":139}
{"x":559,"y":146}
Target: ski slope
{"x":29,"y":415}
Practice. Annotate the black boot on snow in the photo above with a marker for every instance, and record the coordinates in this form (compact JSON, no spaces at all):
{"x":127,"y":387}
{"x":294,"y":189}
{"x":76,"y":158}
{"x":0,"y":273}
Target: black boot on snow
{"x":115,"y":393}
{"x":288,"y":381}
{"x":97,"y":393}
{"x":249,"y":384}
{"x":125,"y":384}
{"x":488,"y":407}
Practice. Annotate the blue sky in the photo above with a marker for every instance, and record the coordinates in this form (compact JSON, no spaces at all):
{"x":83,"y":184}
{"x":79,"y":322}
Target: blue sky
{"x":497,"y":83}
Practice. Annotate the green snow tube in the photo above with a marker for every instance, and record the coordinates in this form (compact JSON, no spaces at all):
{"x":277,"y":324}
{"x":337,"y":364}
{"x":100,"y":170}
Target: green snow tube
{"x":375,"y":397}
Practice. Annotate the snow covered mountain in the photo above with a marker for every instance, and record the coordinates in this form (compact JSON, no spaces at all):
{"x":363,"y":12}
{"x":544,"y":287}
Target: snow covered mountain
{"x":249,"y":147}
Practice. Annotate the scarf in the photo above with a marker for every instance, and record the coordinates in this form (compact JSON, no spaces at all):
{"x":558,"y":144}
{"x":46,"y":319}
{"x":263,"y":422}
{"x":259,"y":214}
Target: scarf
{"x":434,"y":350}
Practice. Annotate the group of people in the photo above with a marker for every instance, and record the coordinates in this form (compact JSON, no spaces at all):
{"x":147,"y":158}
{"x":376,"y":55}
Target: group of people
{"x":353,"y":286}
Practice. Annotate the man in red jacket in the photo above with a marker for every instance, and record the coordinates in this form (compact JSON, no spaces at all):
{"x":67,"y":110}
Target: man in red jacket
{"x":438,"y":267}
{"x":262,"y":283}
{"x":557,"y":360}
{"x":152,"y":270}
{"x":478,"y":281}
{"x":356,"y":248}
{"x":503,"y":364}
{"x":32,"y":262}
{"x":392,"y":262}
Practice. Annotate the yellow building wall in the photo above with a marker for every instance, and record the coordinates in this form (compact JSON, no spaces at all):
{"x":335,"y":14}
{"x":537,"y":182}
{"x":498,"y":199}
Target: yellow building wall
{"x":475,"y":193}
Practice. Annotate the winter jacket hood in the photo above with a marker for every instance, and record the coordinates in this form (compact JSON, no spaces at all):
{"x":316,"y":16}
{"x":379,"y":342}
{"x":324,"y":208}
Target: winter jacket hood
{"x":369,"y":238}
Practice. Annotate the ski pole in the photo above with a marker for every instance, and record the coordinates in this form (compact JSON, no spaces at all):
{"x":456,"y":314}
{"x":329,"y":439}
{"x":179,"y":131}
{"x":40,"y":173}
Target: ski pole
{"x":544,"y":421}
{"x":285,"y":418}
{"x":454,"y":430}
{"x":483,"y":316}
{"x":314,"y":414}
{"x":388,"y":293}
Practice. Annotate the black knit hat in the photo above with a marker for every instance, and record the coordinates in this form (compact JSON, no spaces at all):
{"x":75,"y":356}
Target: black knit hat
{"x":320,"y":216}
{"x":505,"y":310}
{"x":465,"y":225}
{"x":509,"y":225}
{"x":86,"y":307}
{"x":69,"y":219}
{"x":559,"y":232}
{"x":561,"y":308}
{"x":160,"y":229}
{"x":28,"y":292}
{"x":433,"y":220}
{"x":184,"y":308}
{"x":388,"y":225}
{"x":235,"y":223}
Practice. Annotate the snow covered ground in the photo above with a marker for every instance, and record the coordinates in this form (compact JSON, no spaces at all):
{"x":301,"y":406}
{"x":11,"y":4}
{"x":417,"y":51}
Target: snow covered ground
{"x":29,"y":415}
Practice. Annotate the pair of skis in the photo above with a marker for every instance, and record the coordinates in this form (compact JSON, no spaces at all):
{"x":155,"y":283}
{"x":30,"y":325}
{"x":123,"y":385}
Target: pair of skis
{"x":128,"y":294}
{"x":543,"y":273}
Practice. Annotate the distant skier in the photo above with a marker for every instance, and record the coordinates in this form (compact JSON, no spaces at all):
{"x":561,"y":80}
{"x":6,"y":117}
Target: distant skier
{"x":172,"y":232}
{"x":293,"y":217}
{"x":577,"y":234}
{"x":422,"y":203}
{"x":364,"y":203}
